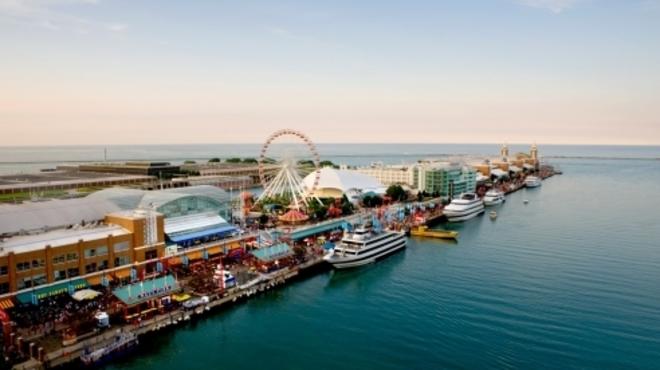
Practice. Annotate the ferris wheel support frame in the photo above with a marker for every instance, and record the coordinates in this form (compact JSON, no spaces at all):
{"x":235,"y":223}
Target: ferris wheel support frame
{"x":288,"y":180}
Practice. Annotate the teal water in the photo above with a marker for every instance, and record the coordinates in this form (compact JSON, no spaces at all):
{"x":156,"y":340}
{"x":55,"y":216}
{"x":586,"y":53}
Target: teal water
{"x":571,"y":280}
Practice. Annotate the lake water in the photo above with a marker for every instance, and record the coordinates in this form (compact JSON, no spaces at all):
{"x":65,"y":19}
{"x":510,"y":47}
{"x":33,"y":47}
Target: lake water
{"x":32,"y":159}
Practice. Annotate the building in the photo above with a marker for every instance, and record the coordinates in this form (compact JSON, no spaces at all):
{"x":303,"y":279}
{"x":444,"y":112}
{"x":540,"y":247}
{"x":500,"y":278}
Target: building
{"x":390,"y":175}
{"x":44,"y":243}
{"x":63,"y":180}
{"x":445,"y":178}
{"x":223,"y":182}
{"x":158,"y":169}
{"x":337,"y":183}
{"x":28,"y":261}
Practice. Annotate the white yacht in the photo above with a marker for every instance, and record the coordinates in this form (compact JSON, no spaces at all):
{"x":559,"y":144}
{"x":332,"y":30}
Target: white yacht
{"x":467,"y":206}
{"x":494,"y":197}
{"x":532,"y":182}
{"x":364,"y":246}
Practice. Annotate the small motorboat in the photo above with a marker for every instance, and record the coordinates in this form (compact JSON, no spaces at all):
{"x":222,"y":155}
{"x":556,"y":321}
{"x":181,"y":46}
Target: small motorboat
{"x":525,"y":201}
{"x":434,"y":233}
{"x":493,"y":215}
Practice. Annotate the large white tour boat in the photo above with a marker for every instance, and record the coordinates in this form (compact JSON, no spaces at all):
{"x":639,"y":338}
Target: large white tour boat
{"x":532,"y":182}
{"x":465,"y":207}
{"x":494,"y":197}
{"x":364,"y":245}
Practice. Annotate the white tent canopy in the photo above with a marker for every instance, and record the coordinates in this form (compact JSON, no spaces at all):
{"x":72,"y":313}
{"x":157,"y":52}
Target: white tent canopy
{"x":343,"y":181}
{"x":498,"y":173}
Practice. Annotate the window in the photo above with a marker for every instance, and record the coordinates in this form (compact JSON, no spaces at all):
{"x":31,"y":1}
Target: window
{"x":23,"y":266}
{"x":3,"y":270}
{"x":89,"y":253}
{"x":38,"y":263}
{"x":73,"y":256}
{"x":120,"y":247}
{"x":102,"y":251}
{"x":4,"y":288}
{"x":31,"y":281}
{"x":59,"y":275}
{"x":151,"y":255}
{"x":122,"y":260}
{"x":103,"y":265}
{"x":24,"y":283}
{"x":39,"y":279}
{"x":90,"y":268}
{"x":72,"y":272}
{"x":58,"y":259}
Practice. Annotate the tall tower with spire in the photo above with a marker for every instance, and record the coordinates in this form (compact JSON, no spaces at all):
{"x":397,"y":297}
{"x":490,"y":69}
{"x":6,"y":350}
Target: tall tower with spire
{"x":504,"y":152}
{"x":534,"y":153}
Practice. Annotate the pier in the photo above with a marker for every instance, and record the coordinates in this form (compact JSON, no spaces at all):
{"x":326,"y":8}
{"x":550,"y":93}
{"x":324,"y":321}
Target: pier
{"x":67,"y":354}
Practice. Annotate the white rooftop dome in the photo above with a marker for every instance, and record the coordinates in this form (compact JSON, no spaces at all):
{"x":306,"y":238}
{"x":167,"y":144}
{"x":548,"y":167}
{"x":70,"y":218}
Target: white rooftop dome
{"x":335,"y":183}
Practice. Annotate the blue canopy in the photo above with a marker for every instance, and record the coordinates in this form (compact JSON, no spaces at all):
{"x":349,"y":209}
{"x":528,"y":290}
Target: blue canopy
{"x":273,"y":253}
{"x":143,"y":291}
{"x":37,"y":294}
{"x":202,"y":233}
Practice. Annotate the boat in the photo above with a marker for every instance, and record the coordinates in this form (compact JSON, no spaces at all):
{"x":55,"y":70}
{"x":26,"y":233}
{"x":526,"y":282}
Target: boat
{"x":526,"y":201}
{"x":467,"y":206}
{"x":433,"y":233}
{"x":493,"y":215}
{"x":364,"y":245}
{"x":494,"y":197}
{"x":532,"y":182}
{"x":123,"y":341}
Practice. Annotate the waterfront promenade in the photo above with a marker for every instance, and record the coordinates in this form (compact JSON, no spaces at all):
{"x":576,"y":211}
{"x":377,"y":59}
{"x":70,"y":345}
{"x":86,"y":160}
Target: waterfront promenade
{"x":172,"y":319}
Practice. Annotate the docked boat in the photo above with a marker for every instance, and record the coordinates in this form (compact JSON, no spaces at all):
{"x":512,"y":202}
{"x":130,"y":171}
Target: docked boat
{"x":494,"y":197}
{"x":433,"y":233}
{"x":467,"y":206}
{"x":532,"y":182}
{"x":364,"y":245}
{"x":122,"y":342}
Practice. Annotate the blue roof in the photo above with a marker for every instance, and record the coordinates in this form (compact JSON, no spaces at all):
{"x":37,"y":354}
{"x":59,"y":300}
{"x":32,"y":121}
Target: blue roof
{"x":202,"y":233}
{"x":303,"y":233}
{"x":273,"y":253}
{"x":143,"y":291}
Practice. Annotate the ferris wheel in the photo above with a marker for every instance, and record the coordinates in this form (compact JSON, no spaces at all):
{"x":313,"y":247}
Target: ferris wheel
{"x":288,"y":182}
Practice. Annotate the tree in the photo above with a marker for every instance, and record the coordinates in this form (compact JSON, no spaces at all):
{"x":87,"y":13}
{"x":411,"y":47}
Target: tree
{"x":214,"y":160}
{"x":346,"y":206}
{"x":188,"y":161}
{"x":233,"y":160}
{"x":327,"y":163}
{"x":250,"y":160}
{"x":370,"y":201}
{"x":420,"y":196}
{"x":396,"y":192}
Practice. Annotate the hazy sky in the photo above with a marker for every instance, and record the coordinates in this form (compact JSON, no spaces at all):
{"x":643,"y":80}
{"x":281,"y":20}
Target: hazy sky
{"x":155,"y":71}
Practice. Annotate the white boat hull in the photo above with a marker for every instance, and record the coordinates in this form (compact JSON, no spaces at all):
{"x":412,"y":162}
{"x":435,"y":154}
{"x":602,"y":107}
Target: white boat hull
{"x":494,"y":202}
{"x":459,"y":216}
{"x":348,"y":261}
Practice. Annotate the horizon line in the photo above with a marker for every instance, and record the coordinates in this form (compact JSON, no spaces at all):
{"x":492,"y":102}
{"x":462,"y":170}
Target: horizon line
{"x":329,"y":142}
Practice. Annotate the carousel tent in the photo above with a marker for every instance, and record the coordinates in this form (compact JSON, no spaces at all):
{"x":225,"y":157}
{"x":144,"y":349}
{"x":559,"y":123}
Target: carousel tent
{"x":293,"y":216}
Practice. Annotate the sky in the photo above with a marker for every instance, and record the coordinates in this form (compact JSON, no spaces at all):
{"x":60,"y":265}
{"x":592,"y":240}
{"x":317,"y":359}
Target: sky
{"x":465,"y":71}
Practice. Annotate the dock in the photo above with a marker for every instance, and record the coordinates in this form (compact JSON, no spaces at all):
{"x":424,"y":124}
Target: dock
{"x":179,"y":317}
